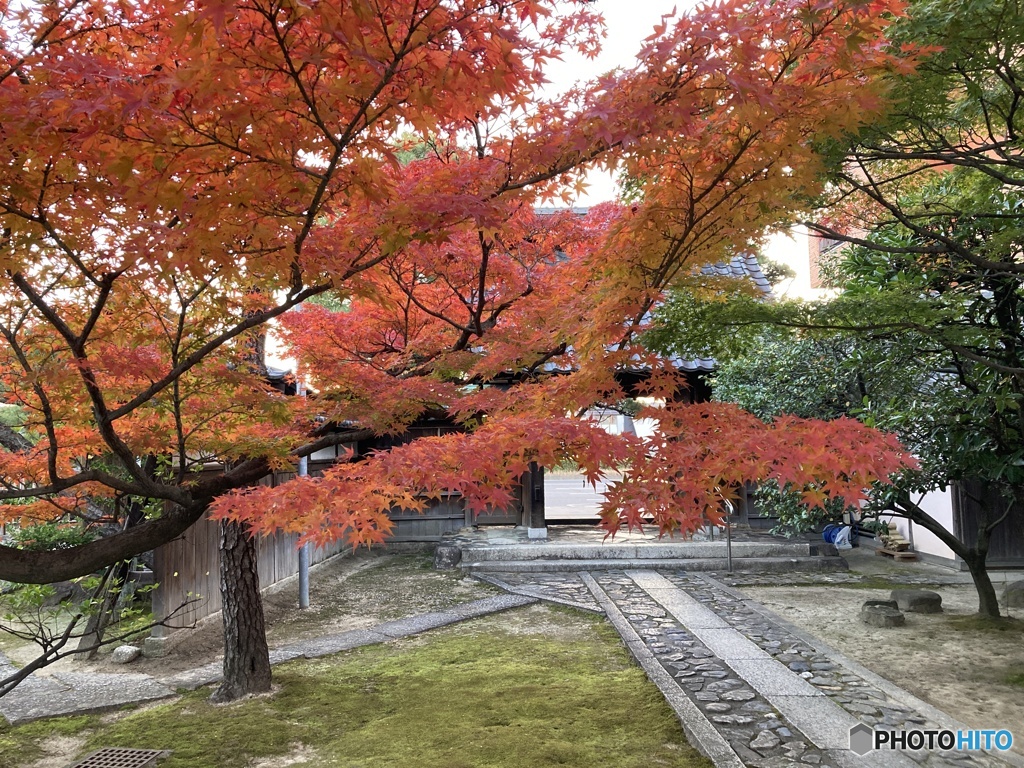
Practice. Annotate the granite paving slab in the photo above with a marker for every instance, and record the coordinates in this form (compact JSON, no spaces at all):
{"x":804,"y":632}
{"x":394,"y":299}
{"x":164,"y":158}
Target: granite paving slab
{"x":699,"y":730}
{"x":191,"y":679}
{"x":68,"y":693}
{"x":492,"y":604}
{"x":563,"y":588}
{"x":775,"y":695}
{"x":756,"y":731}
{"x":821,"y":694}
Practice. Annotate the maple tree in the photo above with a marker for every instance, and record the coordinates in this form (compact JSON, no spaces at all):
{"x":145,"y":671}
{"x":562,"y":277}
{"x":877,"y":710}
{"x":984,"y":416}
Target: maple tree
{"x":178,"y":176}
{"x":926,"y":201}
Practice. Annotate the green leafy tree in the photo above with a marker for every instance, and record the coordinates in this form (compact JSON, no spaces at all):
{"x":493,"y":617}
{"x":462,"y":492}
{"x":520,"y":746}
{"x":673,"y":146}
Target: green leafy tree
{"x":930,"y":202}
{"x":817,"y":377}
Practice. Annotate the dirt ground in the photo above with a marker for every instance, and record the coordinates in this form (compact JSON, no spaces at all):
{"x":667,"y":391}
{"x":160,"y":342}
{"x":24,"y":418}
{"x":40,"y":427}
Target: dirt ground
{"x":345,"y":593}
{"x":953,"y":661}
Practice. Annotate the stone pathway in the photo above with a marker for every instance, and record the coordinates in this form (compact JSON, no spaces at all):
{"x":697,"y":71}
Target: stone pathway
{"x":749,"y":688}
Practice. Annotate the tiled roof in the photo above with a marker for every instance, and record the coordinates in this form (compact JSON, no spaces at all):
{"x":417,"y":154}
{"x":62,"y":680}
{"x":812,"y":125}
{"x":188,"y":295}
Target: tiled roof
{"x":741,"y":266}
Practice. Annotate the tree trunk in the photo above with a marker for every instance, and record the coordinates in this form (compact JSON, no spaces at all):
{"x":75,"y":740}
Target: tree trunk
{"x":988,"y":603}
{"x":974,"y":557}
{"x":246,"y":655}
{"x":96,"y":626}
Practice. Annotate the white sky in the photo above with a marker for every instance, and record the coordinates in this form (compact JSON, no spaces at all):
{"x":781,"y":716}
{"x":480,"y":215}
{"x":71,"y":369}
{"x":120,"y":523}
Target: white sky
{"x":628,"y":22}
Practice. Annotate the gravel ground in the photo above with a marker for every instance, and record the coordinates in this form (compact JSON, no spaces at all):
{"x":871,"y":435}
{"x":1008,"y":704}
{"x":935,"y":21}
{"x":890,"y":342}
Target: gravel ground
{"x":958,"y":664}
{"x":346,"y":593}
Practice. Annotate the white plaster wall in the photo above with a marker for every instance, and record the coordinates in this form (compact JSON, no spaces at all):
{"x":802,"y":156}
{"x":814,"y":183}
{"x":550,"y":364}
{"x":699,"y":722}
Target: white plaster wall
{"x":938,"y":504}
{"x":645,"y":428}
{"x":791,"y":247}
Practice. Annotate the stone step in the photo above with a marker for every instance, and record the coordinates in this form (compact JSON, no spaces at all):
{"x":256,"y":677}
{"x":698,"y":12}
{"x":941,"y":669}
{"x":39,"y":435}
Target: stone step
{"x":647,"y":550}
{"x":752,"y":564}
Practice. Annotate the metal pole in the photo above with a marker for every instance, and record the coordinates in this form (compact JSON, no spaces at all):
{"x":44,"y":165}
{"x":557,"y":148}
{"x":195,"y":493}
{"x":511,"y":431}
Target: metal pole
{"x":728,"y":534}
{"x":304,"y":549}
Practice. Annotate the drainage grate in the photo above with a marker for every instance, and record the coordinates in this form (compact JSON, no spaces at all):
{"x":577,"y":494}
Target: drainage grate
{"x":121,"y":757}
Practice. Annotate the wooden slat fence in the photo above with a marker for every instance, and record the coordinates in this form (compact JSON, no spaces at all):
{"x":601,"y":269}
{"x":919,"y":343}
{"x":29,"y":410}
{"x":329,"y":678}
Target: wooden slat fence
{"x":971,"y":499}
{"x":190,"y":565}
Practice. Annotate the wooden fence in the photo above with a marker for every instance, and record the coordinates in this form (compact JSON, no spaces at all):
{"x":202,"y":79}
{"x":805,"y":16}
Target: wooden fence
{"x":974,"y":501}
{"x":189,"y":566}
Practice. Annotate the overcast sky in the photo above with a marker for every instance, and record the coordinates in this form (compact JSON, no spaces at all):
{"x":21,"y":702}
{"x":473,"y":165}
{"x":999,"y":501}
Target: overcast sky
{"x":628,"y":23}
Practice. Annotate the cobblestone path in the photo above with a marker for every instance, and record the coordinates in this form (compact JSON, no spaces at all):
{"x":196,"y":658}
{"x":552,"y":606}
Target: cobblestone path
{"x":749,"y":688}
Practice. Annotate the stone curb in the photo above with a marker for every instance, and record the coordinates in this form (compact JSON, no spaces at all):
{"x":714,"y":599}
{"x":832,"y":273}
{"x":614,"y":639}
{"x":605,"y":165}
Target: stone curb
{"x":699,"y":730}
{"x":535,"y":593}
{"x":58,"y":695}
{"x":740,"y":564}
{"x":889,"y":688}
{"x":356,"y":638}
{"x":29,"y":706}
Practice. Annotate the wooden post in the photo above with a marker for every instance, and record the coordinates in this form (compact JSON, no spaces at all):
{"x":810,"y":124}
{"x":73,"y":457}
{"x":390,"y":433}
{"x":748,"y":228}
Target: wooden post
{"x":524,"y":498}
{"x":536,"y":527}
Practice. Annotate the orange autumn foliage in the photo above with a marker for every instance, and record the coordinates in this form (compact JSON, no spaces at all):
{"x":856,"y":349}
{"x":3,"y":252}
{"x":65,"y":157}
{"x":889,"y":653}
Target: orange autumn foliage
{"x":176,"y":177}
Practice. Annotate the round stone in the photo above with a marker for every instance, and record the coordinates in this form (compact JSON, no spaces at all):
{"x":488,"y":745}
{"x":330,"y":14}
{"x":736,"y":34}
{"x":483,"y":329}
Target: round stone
{"x":765,"y":741}
{"x":888,"y":603}
{"x":125,"y":654}
{"x":917,"y":600}
{"x":882,"y":616}
{"x":724,"y":685}
{"x":732,"y":719}
{"x":738,"y":695}
{"x":795,"y":748}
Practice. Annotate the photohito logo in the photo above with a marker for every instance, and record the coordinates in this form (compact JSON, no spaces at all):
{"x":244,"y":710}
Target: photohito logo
{"x":864,"y":739}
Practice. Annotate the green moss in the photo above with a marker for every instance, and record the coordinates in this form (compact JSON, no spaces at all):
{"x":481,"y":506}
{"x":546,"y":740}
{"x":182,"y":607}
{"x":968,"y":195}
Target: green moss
{"x":9,"y":642}
{"x":1016,"y":678}
{"x":978,"y":623}
{"x":22,"y":744}
{"x":497,"y":692}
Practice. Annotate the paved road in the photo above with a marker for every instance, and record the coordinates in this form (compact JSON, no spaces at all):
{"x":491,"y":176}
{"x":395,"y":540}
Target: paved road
{"x":570,"y":497}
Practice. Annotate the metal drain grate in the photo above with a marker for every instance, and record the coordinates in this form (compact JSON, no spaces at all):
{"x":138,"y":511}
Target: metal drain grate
{"x":121,"y":757}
